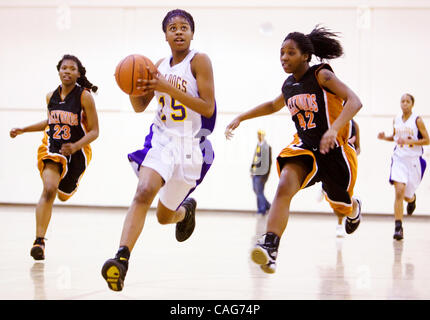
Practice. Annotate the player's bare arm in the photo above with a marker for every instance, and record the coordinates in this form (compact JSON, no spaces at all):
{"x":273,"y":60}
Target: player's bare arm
{"x":263,"y":109}
{"x":328,"y":79}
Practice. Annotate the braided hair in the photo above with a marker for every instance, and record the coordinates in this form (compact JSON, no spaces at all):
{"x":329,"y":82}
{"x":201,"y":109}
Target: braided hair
{"x":178,"y":12}
{"x":82,"y":80}
{"x":321,"y":42}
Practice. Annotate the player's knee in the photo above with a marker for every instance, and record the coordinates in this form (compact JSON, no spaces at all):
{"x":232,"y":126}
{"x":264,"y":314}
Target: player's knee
{"x":144,"y":194}
{"x":285,"y":189}
{"x":400,"y":193}
{"x":49,"y":192}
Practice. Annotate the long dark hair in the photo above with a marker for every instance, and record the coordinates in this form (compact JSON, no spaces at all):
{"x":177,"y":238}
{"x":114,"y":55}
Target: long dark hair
{"x":82,"y":80}
{"x":321,"y":42}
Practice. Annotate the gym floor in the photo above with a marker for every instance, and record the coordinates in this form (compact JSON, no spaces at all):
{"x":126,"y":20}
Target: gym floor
{"x":214,"y":263}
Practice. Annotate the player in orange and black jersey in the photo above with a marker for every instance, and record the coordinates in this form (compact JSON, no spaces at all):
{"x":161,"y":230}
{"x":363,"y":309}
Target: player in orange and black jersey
{"x":64,"y":119}
{"x":321,"y":107}
{"x":70,"y":127}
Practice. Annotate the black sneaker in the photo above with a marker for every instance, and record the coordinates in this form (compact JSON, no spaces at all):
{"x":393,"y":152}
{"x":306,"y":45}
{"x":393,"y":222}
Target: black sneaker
{"x":398,"y":233}
{"x":185,"y":228}
{"x":410,"y":208}
{"x":38,"y":249}
{"x":352,"y":224}
{"x":114,"y":271}
{"x":264,"y":254}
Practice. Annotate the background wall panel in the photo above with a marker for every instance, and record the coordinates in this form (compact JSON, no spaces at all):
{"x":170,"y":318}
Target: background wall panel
{"x":385,"y":54}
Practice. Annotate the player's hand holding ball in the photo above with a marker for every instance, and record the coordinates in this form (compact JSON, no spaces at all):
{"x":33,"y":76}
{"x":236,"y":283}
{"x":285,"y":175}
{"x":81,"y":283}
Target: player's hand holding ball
{"x":133,"y":73}
{"x":156,"y":82}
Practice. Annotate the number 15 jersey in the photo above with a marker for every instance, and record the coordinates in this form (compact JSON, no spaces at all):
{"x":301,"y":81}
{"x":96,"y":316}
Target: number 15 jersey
{"x":172,"y":116}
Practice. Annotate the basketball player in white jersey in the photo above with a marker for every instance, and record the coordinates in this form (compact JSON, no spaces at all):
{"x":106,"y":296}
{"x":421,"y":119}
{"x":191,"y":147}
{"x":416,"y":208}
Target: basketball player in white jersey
{"x":407,"y":164}
{"x":176,"y":154}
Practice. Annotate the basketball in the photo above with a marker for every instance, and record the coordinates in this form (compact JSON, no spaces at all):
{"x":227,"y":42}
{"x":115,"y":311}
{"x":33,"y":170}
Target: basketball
{"x":130,"y":69}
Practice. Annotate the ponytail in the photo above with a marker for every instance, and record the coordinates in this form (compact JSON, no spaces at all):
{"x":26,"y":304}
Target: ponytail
{"x":321,"y":42}
{"x":326,"y":46}
{"x":82,"y":80}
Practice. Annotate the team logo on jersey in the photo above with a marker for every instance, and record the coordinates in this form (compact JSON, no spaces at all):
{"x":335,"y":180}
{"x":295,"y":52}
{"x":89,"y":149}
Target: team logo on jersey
{"x":305,"y":102}
{"x":64,"y":117}
{"x":177,"y":82}
{"x":404,"y":132}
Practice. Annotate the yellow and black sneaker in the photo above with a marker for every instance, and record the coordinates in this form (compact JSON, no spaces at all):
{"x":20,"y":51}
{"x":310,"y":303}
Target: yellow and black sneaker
{"x":185,"y":228}
{"x":38,"y":249}
{"x":265,"y":252}
{"x":114,"y":270}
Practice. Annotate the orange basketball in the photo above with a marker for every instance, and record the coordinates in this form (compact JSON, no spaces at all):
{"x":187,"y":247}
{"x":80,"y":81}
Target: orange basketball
{"x":131,"y":68}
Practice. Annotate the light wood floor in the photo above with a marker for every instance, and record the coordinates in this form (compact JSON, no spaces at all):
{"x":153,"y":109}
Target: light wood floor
{"x":214,"y":263}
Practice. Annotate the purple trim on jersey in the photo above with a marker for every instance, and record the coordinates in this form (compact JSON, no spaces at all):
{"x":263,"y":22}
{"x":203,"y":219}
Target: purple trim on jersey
{"x":139,"y":155}
{"x":207,"y":151}
{"x":423,"y":166}
{"x":391,"y":169}
{"x":209,"y":123}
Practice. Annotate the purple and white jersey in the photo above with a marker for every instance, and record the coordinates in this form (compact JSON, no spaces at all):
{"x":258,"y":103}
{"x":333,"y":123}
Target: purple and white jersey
{"x":407,"y":129}
{"x":173,"y":117}
{"x":176,"y":146}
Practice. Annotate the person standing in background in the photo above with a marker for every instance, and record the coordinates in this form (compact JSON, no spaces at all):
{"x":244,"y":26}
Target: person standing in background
{"x":407,"y":163}
{"x":260,"y":171}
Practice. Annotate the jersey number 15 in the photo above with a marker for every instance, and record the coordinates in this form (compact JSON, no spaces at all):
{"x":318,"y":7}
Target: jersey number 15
{"x":179,"y":110}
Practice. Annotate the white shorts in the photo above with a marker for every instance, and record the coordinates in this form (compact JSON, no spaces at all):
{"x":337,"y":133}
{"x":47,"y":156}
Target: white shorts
{"x":409,"y":171}
{"x":181,"y":162}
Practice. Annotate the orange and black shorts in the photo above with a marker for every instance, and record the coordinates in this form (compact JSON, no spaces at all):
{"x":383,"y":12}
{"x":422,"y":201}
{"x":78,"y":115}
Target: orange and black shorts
{"x":73,"y":167}
{"x":337,"y":171}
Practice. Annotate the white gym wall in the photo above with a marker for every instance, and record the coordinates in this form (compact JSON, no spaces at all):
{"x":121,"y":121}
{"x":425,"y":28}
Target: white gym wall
{"x":386,"y":47}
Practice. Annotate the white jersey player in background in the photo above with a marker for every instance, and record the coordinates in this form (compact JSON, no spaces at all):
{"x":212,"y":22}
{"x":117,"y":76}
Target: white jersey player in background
{"x":176,"y":154}
{"x":407,"y":164}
